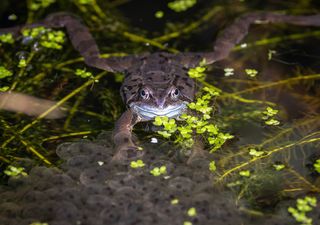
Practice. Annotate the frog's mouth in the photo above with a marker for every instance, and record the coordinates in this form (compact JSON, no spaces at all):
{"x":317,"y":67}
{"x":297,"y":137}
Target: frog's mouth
{"x":147,"y":112}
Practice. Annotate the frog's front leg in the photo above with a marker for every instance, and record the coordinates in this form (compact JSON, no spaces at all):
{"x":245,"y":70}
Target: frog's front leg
{"x":125,"y":147}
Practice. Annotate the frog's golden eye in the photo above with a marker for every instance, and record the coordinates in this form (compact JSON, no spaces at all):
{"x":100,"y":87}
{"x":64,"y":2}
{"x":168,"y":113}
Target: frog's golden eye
{"x":175,"y":93}
{"x":144,"y":93}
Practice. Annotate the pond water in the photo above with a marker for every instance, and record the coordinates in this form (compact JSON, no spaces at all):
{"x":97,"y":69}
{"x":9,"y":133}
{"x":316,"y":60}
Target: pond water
{"x":259,"y":143}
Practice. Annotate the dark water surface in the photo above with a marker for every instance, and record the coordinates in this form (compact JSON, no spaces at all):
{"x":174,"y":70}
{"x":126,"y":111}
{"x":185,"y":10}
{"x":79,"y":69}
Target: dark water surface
{"x":71,"y":179}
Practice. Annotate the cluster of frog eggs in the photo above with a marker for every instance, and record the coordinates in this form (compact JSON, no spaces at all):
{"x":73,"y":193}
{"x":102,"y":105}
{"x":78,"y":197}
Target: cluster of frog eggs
{"x":90,"y":190}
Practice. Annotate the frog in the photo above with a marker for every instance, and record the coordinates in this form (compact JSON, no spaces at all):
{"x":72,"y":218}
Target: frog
{"x":156,"y":84}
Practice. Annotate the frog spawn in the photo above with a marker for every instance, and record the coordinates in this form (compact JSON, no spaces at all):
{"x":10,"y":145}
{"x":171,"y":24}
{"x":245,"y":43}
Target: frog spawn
{"x":91,"y":190}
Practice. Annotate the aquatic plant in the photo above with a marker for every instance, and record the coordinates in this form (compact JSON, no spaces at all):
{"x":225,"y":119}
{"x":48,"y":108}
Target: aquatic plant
{"x":196,"y":122}
{"x":268,"y":141}
{"x":137,"y":164}
{"x":6,"y":38}
{"x":13,"y":171}
{"x":304,"y":205}
{"x":157,"y":171}
{"x":317,"y":165}
{"x":4,"y":72}
{"x":47,"y":37}
{"x":192,"y":212}
{"x":181,"y":5}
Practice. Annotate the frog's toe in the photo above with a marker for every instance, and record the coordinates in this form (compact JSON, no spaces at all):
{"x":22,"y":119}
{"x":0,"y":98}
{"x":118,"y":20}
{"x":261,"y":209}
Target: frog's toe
{"x":127,"y":153}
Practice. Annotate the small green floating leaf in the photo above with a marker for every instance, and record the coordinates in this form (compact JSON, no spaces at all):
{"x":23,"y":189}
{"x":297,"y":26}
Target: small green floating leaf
{"x":212,"y":166}
{"x":187,"y":223}
{"x":22,"y":63}
{"x":47,"y":37}
{"x":245,"y":173}
{"x":279,"y":167}
{"x":251,"y":72}
{"x":137,"y":164}
{"x":316,"y":165}
{"x":164,"y":133}
{"x":159,"y":14}
{"x":157,"y":171}
{"x":38,"y":223}
{"x":7,"y":38}
{"x":158,"y":120}
{"x":85,"y":2}
{"x":197,"y":72}
{"x":181,"y":5}
{"x":38,"y":4}
{"x":5,"y":88}
{"x":83,"y":73}
{"x":255,"y":153}
{"x":270,"y":111}
{"x":33,"y":32}
{"x":174,"y":201}
{"x":4,"y":72}
{"x":272,"y":122}
{"x":192,"y":212}
{"x":13,"y":171}
{"x":303,"y":206}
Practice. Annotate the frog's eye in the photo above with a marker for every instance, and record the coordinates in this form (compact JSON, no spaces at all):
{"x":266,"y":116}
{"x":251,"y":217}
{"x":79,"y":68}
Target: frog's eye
{"x":144,"y":93}
{"x":175,"y":93}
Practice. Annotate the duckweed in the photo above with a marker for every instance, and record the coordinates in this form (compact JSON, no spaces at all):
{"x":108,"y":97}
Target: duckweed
{"x":159,"y":14}
{"x":157,"y":171}
{"x":197,"y":72}
{"x":195,"y":124}
{"x":137,"y":164}
{"x":6,"y":38}
{"x":38,"y":4}
{"x":13,"y":171}
{"x":192,"y":212}
{"x":22,"y":63}
{"x":83,"y":73}
{"x":303,"y":206}
{"x":47,"y":37}
{"x":251,"y":72}
{"x":4,"y":72}
{"x":245,"y":173}
{"x":268,"y":116}
{"x":181,"y":5}
{"x":174,"y":201}
{"x":317,"y":165}
{"x":212,"y":166}
{"x":255,"y":153}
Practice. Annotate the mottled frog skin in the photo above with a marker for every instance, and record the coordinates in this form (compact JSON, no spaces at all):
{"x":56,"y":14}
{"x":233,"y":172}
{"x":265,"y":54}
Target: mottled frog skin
{"x":156,"y":84}
{"x":152,"y":88}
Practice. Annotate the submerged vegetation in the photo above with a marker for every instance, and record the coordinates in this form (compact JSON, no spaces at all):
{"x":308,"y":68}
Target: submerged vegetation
{"x":265,"y":124}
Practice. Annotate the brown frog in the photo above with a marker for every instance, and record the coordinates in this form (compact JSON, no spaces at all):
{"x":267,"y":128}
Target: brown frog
{"x":157,"y":84}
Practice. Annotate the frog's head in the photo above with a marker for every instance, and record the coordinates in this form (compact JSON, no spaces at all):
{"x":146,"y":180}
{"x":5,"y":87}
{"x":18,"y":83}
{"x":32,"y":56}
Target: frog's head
{"x":158,"y":87}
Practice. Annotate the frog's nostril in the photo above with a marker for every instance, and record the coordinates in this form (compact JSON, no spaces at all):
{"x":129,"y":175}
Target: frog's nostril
{"x":160,"y":102}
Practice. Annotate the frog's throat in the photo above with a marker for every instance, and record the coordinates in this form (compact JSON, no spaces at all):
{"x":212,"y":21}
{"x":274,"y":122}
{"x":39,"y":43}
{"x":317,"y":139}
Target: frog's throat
{"x":147,"y":112}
